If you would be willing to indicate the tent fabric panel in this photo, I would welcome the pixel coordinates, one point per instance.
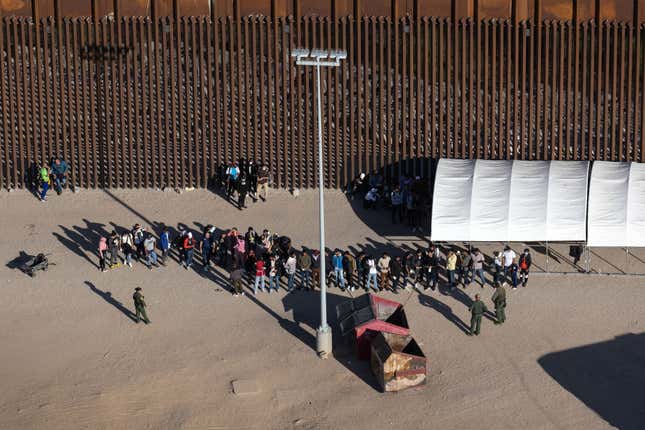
(451, 200)
(528, 201)
(490, 201)
(567, 201)
(636, 206)
(607, 222)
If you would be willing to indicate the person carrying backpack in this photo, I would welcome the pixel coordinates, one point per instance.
(525, 266)
(242, 190)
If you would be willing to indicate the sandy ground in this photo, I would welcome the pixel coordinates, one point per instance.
(71, 357)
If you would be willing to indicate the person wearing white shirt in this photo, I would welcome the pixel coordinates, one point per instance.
(508, 257)
(372, 272)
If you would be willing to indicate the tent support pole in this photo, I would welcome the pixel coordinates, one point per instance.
(587, 258)
(626, 260)
(547, 257)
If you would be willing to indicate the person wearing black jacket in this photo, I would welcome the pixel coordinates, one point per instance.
(361, 274)
(242, 190)
(252, 172)
(251, 238)
(427, 270)
(525, 265)
(396, 270)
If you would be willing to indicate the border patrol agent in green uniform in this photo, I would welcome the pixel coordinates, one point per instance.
(477, 309)
(499, 300)
(140, 305)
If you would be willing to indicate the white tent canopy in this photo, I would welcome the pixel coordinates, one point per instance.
(617, 204)
(510, 201)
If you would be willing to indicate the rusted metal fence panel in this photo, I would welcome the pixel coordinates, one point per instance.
(163, 101)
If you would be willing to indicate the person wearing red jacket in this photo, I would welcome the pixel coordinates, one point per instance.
(259, 276)
(189, 248)
(525, 265)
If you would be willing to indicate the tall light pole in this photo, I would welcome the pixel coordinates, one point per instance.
(320, 58)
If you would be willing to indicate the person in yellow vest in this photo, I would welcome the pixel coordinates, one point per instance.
(45, 182)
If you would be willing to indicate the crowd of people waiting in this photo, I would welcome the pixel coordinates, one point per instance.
(406, 197)
(258, 259)
(244, 177)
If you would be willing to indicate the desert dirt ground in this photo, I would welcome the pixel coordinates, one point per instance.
(570, 356)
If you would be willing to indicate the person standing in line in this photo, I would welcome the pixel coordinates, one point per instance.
(127, 246)
(290, 267)
(477, 309)
(242, 190)
(239, 249)
(451, 267)
(103, 247)
(236, 279)
(435, 262)
(361, 269)
(525, 266)
(349, 266)
(499, 300)
(384, 269)
(45, 182)
(114, 243)
(337, 265)
(206, 248)
(498, 276)
(478, 265)
(397, 201)
(263, 182)
(396, 269)
(304, 263)
(513, 270)
(164, 244)
(315, 268)
(189, 248)
(508, 257)
(274, 279)
(140, 306)
(259, 276)
(464, 268)
(138, 234)
(149, 248)
(371, 274)
(252, 239)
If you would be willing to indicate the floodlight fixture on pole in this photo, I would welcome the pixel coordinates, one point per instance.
(320, 58)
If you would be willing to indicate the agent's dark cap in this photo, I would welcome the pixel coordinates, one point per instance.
(137, 289)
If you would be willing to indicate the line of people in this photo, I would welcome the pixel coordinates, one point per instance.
(268, 257)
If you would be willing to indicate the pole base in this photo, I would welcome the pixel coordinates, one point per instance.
(323, 342)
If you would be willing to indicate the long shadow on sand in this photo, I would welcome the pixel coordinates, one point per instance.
(607, 376)
(306, 313)
(107, 296)
(443, 309)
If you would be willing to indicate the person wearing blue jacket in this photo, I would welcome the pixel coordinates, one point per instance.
(337, 264)
(59, 169)
(164, 244)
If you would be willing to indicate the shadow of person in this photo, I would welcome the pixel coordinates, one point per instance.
(17, 262)
(444, 310)
(107, 296)
(77, 245)
(292, 327)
